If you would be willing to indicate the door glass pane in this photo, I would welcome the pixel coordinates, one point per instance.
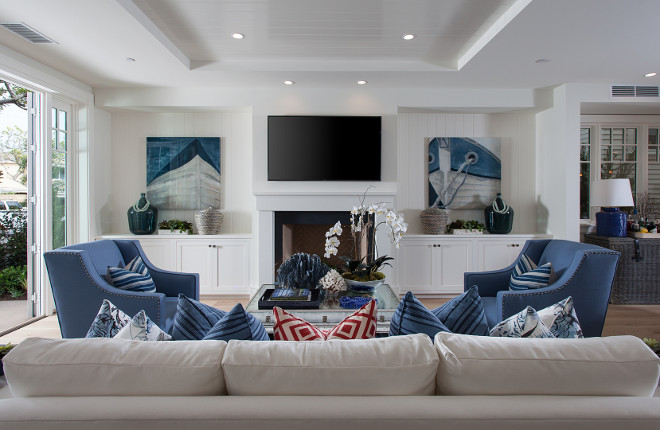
(59, 177)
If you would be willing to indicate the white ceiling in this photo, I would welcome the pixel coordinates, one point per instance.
(333, 43)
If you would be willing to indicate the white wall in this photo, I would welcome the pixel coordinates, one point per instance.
(127, 163)
(101, 180)
(517, 133)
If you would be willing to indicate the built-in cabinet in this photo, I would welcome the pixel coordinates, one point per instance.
(222, 261)
(435, 264)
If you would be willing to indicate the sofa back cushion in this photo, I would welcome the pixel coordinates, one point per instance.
(608, 366)
(397, 366)
(114, 367)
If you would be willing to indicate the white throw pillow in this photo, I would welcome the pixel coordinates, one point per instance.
(608, 366)
(140, 327)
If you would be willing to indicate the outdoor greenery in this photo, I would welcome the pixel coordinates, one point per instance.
(654, 344)
(13, 254)
(12, 94)
(176, 224)
(13, 281)
(13, 149)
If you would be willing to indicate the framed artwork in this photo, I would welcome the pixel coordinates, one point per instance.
(464, 172)
(183, 172)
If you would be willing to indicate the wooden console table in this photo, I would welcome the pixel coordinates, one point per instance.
(637, 276)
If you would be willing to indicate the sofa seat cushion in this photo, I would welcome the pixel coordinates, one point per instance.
(114, 367)
(399, 365)
(609, 366)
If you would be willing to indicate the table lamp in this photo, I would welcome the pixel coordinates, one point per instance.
(610, 195)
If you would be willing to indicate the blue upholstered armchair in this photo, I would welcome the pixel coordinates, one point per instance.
(78, 278)
(583, 271)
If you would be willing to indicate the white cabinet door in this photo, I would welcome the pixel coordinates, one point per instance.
(498, 254)
(451, 259)
(223, 264)
(415, 267)
(433, 265)
(232, 267)
(194, 256)
(159, 252)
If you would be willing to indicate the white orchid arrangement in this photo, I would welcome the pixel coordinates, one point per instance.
(365, 221)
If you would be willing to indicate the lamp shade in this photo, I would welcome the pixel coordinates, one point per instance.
(611, 193)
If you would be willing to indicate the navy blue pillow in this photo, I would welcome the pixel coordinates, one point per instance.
(237, 324)
(194, 319)
(411, 317)
(464, 314)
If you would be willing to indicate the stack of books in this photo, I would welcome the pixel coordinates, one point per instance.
(290, 298)
(291, 294)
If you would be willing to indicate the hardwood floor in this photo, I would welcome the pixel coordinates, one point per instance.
(637, 320)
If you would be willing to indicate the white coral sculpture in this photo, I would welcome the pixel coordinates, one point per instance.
(333, 281)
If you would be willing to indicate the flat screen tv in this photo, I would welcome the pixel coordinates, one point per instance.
(324, 148)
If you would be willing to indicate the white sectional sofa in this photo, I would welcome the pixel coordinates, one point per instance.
(403, 382)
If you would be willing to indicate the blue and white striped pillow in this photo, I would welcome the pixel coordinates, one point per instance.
(134, 277)
(412, 317)
(526, 275)
(464, 314)
(237, 324)
(194, 319)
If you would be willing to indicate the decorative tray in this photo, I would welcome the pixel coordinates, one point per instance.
(314, 303)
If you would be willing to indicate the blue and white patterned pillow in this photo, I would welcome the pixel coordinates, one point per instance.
(109, 320)
(526, 275)
(525, 323)
(411, 317)
(464, 314)
(237, 324)
(134, 277)
(194, 319)
(561, 319)
(140, 327)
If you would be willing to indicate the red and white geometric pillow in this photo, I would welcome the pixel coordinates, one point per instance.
(361, 324)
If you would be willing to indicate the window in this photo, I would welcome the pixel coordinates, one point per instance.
(59, 141)
(611, 151)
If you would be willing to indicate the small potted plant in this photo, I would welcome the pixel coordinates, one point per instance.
(465, 227)
(4, 350)
(654, 344)
(175, 226)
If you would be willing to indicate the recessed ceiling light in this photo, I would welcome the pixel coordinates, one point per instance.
(408, 36)
(362, 82)
(238, 35)
(130, 59)
(650, 75)
(289, 82)
(542, 61)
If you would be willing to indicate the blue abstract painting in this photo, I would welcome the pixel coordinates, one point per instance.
(464, 172)
(184, 172)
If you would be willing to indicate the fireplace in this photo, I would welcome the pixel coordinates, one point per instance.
(271, 204)
(304, 231)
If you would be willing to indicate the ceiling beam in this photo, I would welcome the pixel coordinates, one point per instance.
(149, 25)
(493, 31)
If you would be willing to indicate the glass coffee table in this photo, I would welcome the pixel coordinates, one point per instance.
(329, 313)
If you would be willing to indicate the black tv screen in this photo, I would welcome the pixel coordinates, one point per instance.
(324, 148)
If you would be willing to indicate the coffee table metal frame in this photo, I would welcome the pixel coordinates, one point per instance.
(329, 313)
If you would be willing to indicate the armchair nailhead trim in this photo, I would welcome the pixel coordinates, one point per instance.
(560, 288)
(104, 290)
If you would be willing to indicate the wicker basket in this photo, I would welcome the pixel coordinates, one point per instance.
(434, 220)
(636, 278)
(209, 221)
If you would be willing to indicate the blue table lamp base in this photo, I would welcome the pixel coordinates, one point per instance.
(611, 222)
